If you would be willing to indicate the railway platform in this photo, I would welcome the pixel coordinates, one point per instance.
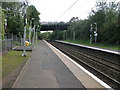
(49, 68)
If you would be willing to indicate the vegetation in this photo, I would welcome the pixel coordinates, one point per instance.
(100, 45)
(105, 17)
(13, 13)
(11, 60)
(46, 35)
(17, 43)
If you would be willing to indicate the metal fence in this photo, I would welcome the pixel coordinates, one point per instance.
(9, 43)
(6, 45)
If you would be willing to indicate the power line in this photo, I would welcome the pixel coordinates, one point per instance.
(68, 9)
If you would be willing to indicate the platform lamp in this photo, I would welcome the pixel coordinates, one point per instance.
(91, 33)
(30, 32)
(95, 32)
(5, 25)
(33, 30)
(36, 33)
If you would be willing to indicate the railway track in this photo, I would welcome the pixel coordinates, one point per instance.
(107, 69)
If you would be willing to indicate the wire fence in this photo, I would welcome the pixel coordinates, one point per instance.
(6, 45)
(11, 42)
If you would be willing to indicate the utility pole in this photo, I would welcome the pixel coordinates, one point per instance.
(25, 22)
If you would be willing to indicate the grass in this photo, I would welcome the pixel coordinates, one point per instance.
(100, 45)
(11, 60)
(17, 43)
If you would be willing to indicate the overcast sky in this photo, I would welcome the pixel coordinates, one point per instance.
(51, 10)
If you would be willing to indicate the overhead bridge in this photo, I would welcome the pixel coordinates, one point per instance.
(48, 26)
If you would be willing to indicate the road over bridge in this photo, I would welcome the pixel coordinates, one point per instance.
(48, 26)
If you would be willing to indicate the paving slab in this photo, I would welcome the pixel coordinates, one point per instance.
(45, 70)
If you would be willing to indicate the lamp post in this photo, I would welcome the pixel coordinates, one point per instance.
(33, 30)
(91, 33)
(95, 32)
(5, 25)
(36, 34)
(25, 22)
(30, 33)
(64, 34)
(74, 36)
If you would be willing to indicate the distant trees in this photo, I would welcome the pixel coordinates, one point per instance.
(45, 35)
(107, 18)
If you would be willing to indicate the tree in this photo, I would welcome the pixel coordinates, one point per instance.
(14, 16)
(106, 17)
(2, 29)
(33, 13)
(14, 19)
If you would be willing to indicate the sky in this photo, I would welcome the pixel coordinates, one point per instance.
(51, 10)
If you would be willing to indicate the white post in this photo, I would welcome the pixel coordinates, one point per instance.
(36, 37)
(21, 41)
(74, 36)
(66, 36)
(25, 22)
(30, 35)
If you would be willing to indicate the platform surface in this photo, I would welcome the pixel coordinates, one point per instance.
(45, 70)
(94, 48)
(21, 48)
